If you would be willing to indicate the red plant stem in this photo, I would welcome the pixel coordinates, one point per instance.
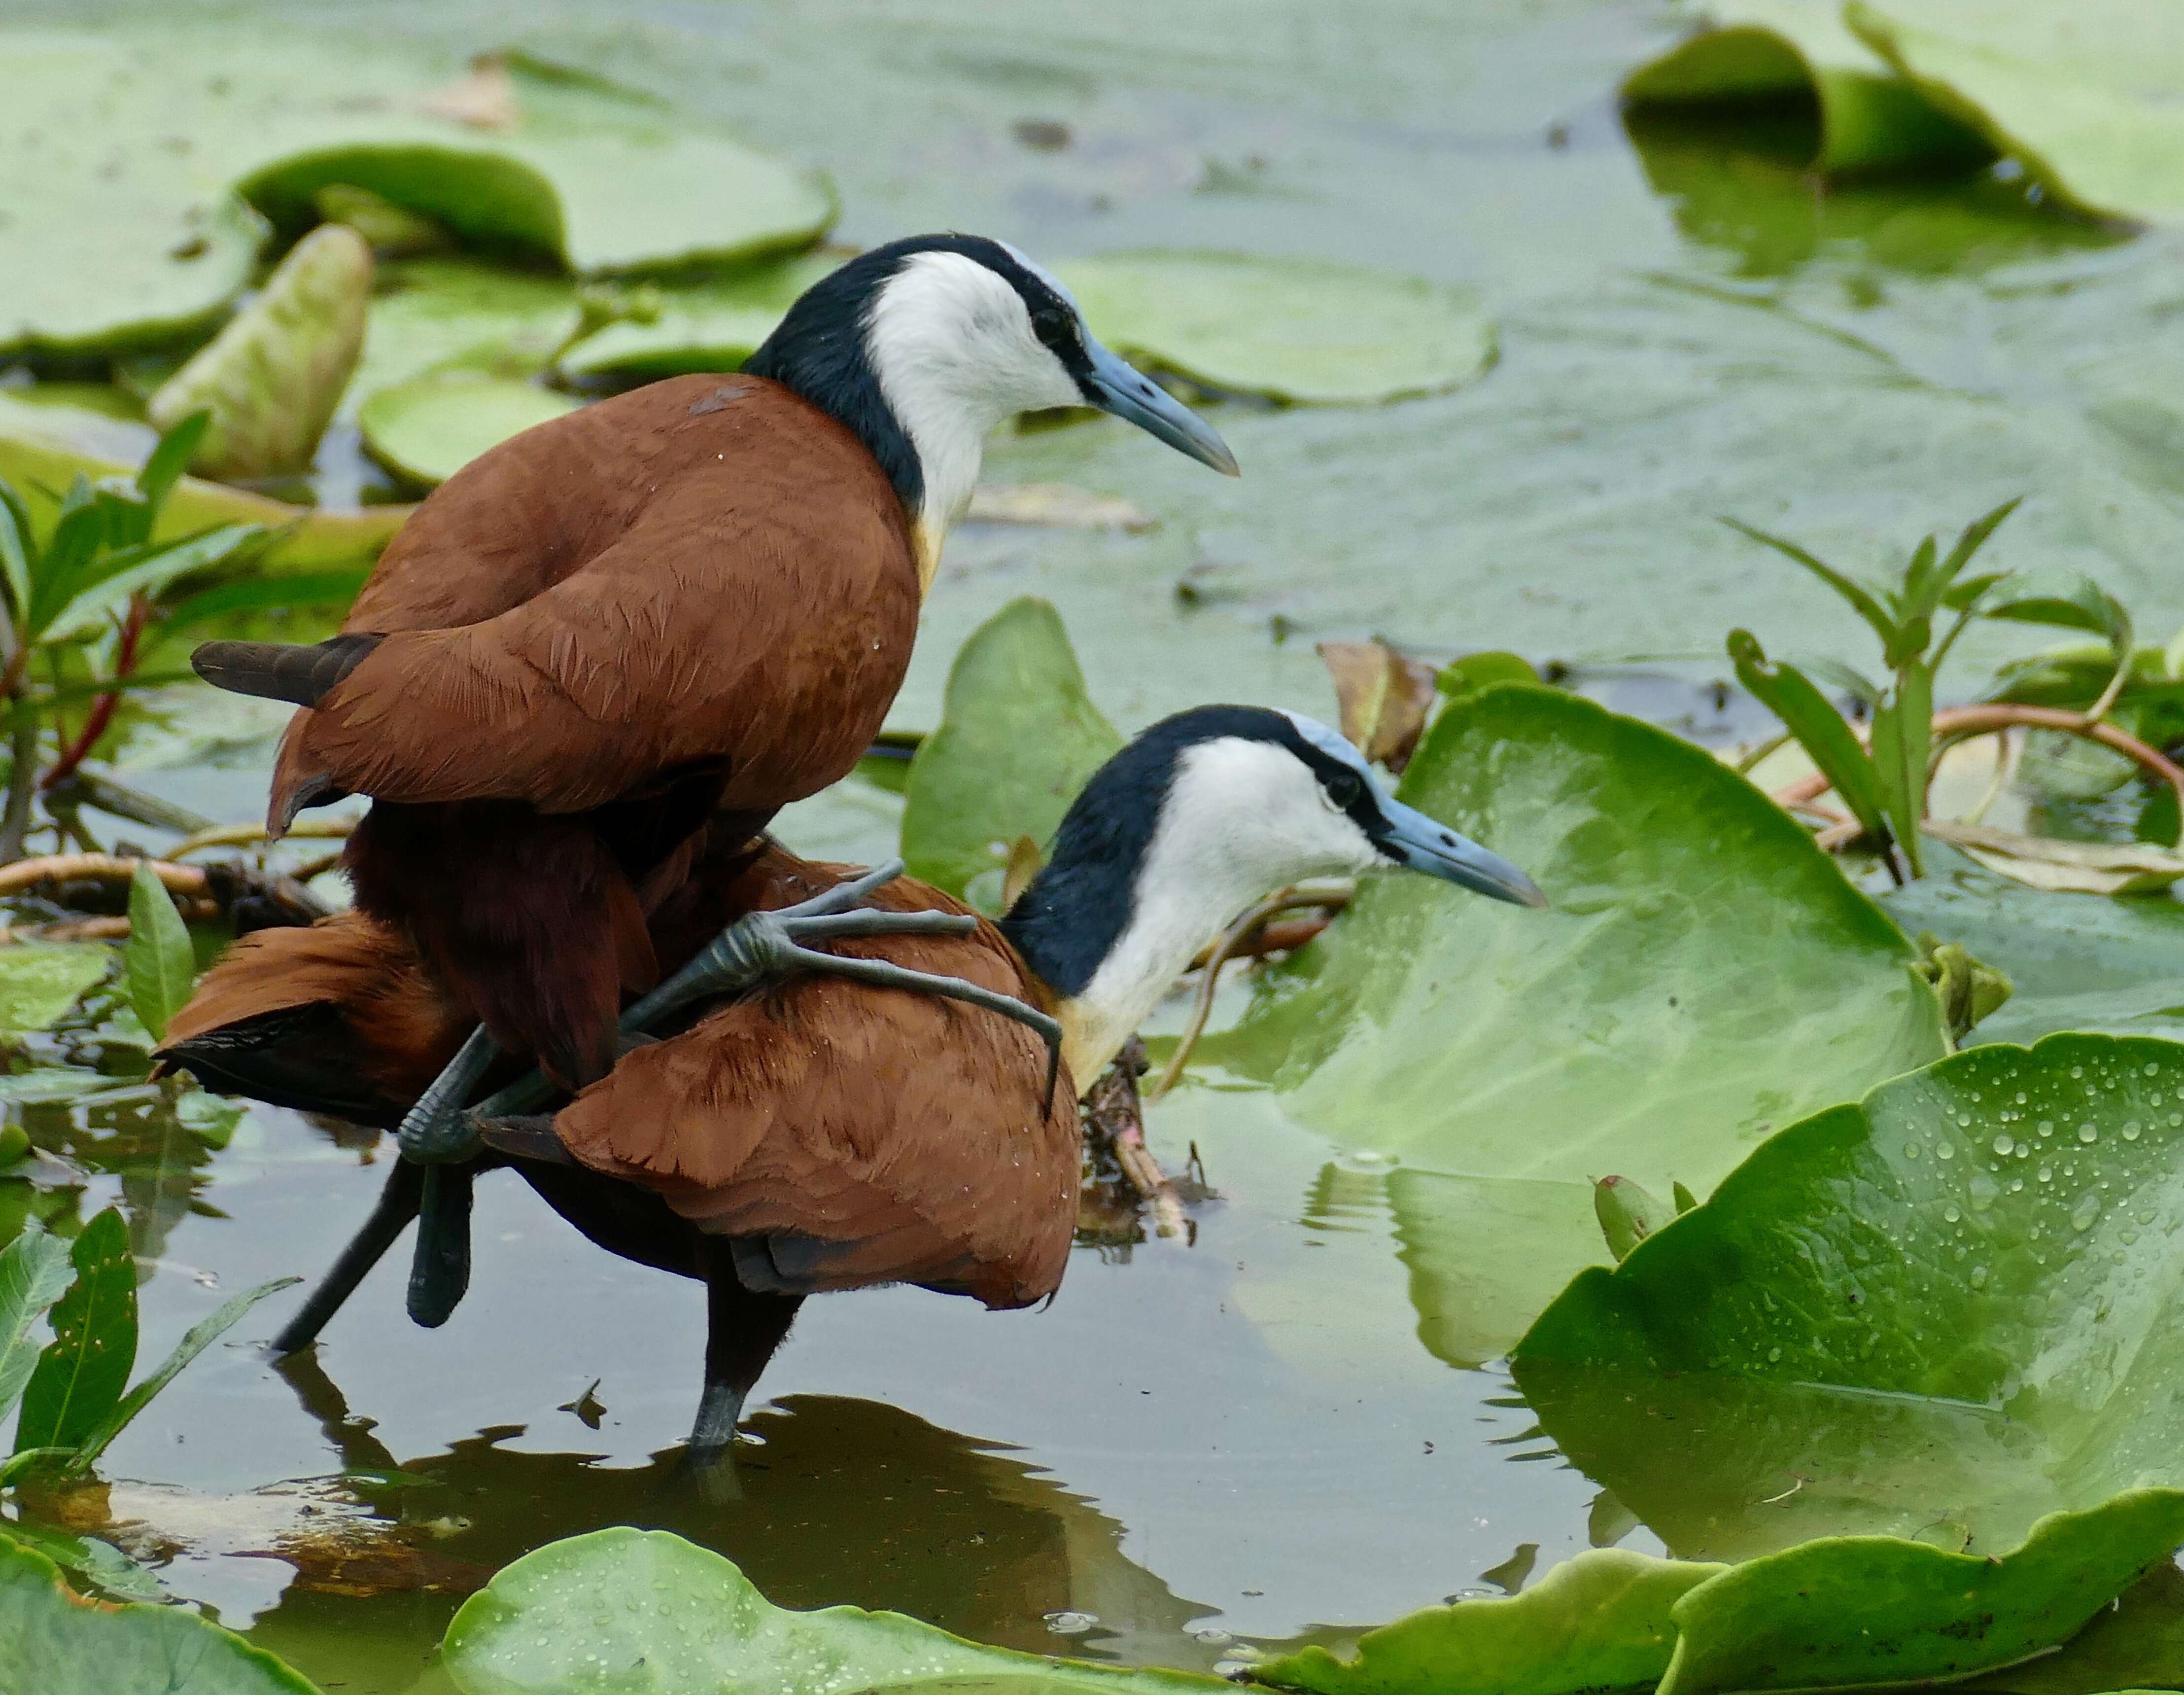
(102, 709)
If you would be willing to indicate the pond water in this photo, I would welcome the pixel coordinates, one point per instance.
(1237, 1434)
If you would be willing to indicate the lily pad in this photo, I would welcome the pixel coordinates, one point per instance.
(427, 430)
(1944, 1313)
(557, 1620)
(1704, 976)
(109, 241)
(2075, 961)
(41, 981)
(1754, 52)
(43, 447)
(606, 178)
(273, 376)
(1018, 737)
(450, 312)
(1307, 331)
(55, 1642)
(711, 325)
(2084, 97)
(1602, 1620)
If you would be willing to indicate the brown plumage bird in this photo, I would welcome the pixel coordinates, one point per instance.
(826, 1133)
(681, 608)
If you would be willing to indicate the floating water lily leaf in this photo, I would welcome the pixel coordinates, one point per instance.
(427, 430)
(2075, 961)
(274, 373)
(1751, 53)
(113, 240)
(54, 1640)
(1985, 1331)
(1307, 331)
(451, 312)
(606, 179)
(1018, 737)
(39, 982)
(2139, 1645)
(1599, 1621)
(711, 325)
(44, 447)
(1851, 1610)
(1704, 976)
(555, 1618)
(2084, 95)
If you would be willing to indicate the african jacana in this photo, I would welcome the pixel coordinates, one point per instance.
(826, 1133)
(693, 602)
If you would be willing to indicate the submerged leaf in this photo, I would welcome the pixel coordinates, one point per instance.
(555, 1616)
(34, 1273)
(158, 963)
(2084, 867)
(1599, 1621)
(82, 1375)
(273, 376)
(1307, 331)
(1705, 975)
(41, 981)
(1018, 737)
(427, 430)
(1989, 1333)
(54, 1640)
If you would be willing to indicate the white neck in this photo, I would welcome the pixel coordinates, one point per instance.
(1242, 819)
(952, 346)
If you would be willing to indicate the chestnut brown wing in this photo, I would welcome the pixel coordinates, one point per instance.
(733, 585)
(848, 1135)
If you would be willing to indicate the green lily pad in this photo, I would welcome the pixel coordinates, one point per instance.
(1602, 1620)
(41, 981)
(274, 373)
(109, 241)
(1307, 331)
(127, 240)
(42, 448)
(451, 312)
(1755, 53)
(711, 325)
(1851, 1610)
(2075, 961)
(563, 1618)
(1018, 737)
(2139, 1645)
(606, 178)
(1942, 1313)
(1704, 976)
(427, 430)
(2083, 97)
(55, 1642)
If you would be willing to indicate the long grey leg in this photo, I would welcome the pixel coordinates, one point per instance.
(398, 1205)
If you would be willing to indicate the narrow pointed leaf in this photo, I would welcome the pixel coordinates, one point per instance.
(166, 463)
(101, 590)
(80, 1376)
(200, 1337)
(1861, 598)
(1974, 537)
(34, 1273)
(288, 591)
(1807, 714)
(17, 543)
(1922, 583)
(158, 965)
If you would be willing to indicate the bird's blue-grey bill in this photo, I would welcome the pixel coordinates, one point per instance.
(1426, 844)
(1115, 387)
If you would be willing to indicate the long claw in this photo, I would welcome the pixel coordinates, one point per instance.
(844, 894)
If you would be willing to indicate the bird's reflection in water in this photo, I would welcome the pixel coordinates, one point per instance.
(843, 1501)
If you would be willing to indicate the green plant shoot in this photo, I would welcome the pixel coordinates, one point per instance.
(158, 964)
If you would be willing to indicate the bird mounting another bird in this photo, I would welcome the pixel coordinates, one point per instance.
(826, 1133)
(676, 610)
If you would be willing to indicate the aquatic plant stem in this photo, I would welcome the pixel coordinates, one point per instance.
(101, 714)
(22, 776)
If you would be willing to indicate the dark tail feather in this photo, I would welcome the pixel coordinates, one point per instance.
(282, 670)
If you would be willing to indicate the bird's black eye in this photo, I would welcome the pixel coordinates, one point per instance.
(1345, 788)
(1051, 324)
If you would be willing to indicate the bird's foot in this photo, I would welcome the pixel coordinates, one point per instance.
(435, 1131)
(761, 947)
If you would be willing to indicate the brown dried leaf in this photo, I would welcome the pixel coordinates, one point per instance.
(2077, 868)
(1385, 697)
(1024, 862)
